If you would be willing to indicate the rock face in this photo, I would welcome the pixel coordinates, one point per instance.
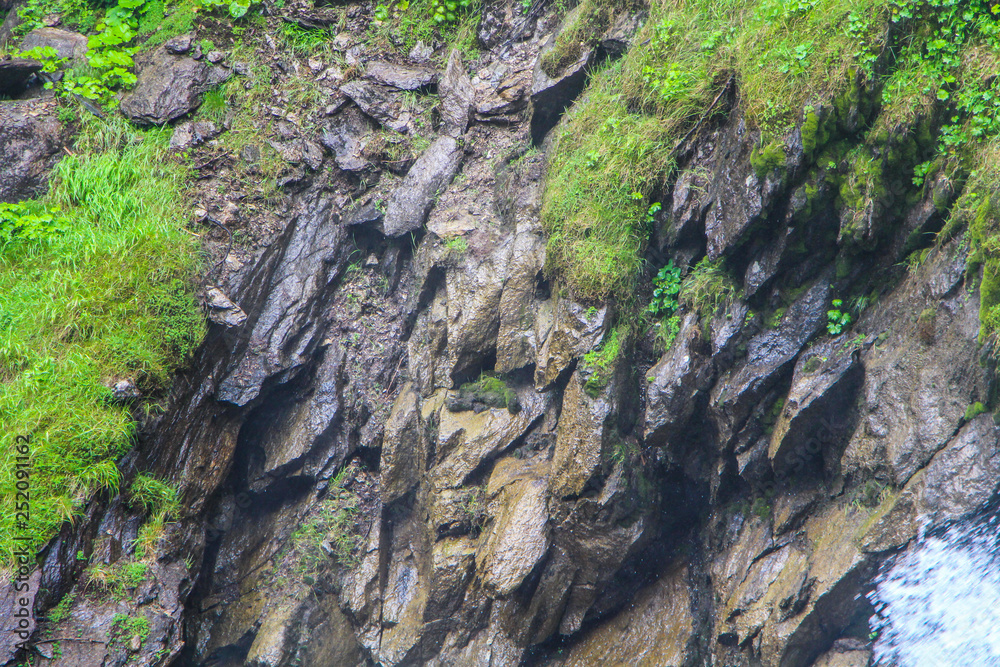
(31, 140)
(404, 441)
(169, 87)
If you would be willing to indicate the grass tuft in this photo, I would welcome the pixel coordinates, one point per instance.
(109, 297)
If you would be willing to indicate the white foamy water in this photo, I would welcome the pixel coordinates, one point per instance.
(938, 604)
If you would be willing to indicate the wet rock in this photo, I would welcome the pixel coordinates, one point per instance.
(617, 39)
(915, 395)
(421, 52)
(215, 57)
(582, 438)
(574, 331)
(11, 21)
(404, 454)
(17, 620)
(362, 214)
(769, 354)
(299, 151)
(402, 77)
(681, 376)
(69, 45)
(282, 335)
(222, 309)
(550, 95)
(457, 96)
(958, 481)
(15, 74)
(346, 136)
(657, 628)
(178, 45)
(824, 385)
(188, 135)
(845, 654)
(379, 102)
(169, 86)
(410, 203)
(125, 391)
(519, 537)
(31, 141)
(688, 206)
(467, 439)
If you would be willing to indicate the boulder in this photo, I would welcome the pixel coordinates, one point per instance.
(69, 45)
(402, 77)
(382, 103)
(457, 97)
(676, 383)
(824, 385)
(169, 87)
(346, 135)
(31, 142)
(410, 203)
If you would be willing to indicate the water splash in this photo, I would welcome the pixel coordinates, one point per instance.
(938, 603)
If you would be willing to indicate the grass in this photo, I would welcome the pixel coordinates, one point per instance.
(329, 529)
(617, 146)
(108, 296)
(403, 28)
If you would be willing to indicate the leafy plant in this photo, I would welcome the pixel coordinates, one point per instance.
(837, 320)
(666, 286)
(125, 629)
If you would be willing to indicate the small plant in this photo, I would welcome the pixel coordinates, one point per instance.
(128, 630)
(600, 363)
(667, 330)
(328, 532)
(474, 509)
(487, 392)
(707, 288)
(60, 612)
(153, 495)
(666, 286)
(457, 244)
(837, 320)
(19, 222)
(974, 411)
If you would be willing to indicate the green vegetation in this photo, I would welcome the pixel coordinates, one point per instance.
(974, 411)
(488, 390)
(925, 106)
(837, 320)
(707, 288)
(127, 629)
(329, 531)
(98, 282)
(117, 579)
(583, 25)
(599, 364)
(401, 24)
(666, 285)
(457, 244)
(61, 611)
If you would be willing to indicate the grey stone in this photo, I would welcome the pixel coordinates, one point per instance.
(169, 87)
(223, 310)
(31, 141)
(188, 135)
(401, 76)
(457, 96)
(346, 136)
(178, 45)
(410, 203)
(378, 101)
(69, 45)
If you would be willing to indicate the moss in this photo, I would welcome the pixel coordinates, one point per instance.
(488, 391)
(974, 411)
(766, 159)
(599, 364)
